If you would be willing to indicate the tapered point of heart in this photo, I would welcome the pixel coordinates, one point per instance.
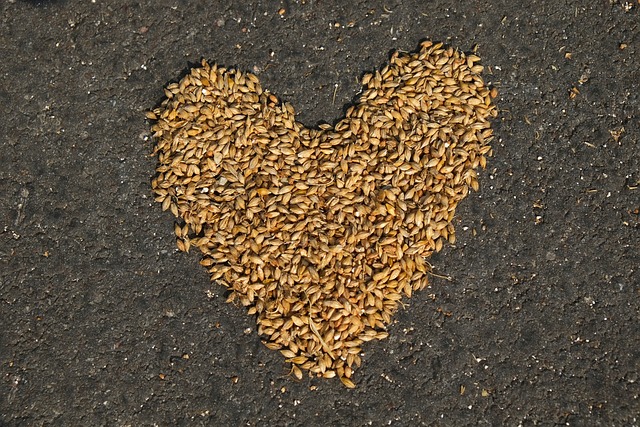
(321, 232)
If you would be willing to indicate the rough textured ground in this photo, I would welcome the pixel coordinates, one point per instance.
(104, 322)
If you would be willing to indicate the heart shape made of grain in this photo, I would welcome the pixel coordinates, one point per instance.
(320, 232)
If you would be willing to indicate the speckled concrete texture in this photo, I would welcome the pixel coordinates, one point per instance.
(532, 318)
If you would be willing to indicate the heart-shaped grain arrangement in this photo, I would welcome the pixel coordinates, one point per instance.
(320, 232)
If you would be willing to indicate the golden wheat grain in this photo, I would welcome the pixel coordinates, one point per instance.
(319, 232)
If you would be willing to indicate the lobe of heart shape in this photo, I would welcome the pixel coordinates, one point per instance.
(321, 232)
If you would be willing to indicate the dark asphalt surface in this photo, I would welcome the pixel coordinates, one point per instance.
(104, 322)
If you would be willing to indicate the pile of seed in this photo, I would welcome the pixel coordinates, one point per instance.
(320, 232)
